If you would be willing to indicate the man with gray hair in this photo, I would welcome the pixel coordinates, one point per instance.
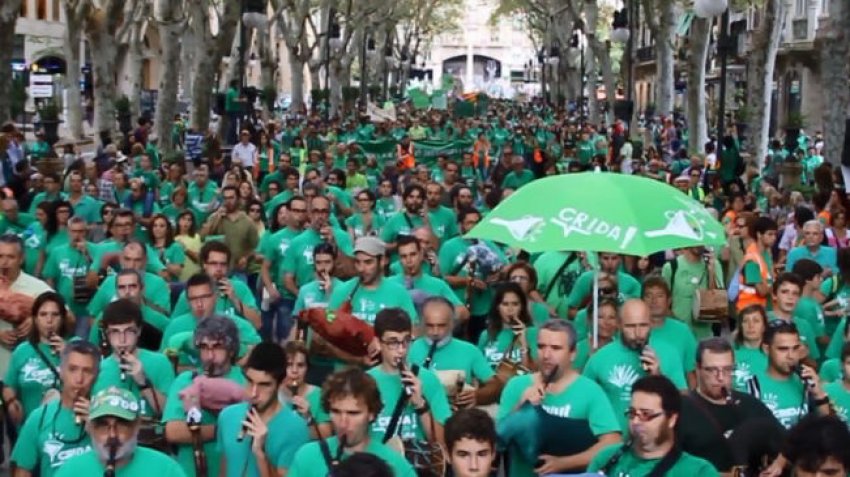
(55, 432)
(813, 249)
(560, 392)
(195, 398)
(130, 285)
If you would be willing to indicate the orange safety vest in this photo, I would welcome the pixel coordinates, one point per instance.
(406, 159)
(748, 294)
(538, 155)
(476, 153)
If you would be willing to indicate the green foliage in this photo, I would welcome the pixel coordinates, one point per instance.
(269, 97)
(319, 95)
(122, 105)
(795, 121)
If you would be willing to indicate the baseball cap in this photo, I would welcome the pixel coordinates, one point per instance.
(117, 402)
(370, 246)
(682, 178)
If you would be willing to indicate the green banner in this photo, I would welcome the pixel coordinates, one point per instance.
(426, 152)
(419, 98)
(464, 109)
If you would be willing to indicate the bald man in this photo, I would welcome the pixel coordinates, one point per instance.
(617, 365)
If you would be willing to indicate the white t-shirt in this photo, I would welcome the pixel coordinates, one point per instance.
(244, 154)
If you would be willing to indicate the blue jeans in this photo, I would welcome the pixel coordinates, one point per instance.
(278, 320)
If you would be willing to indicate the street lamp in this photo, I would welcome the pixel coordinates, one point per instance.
(577, 43)
(711, 9)
(620, 27)
(541, 60)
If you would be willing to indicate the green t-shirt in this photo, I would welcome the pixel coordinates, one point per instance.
(366, 303)
(628, 287)
(631, 465)
(748, 362)
(840, 397)
(690, 277)
(172, 254)
(88, 208)
(494, 349)
(355, 223)
(832, 290)
(202, 199)
(784, 398)
(111, 246)
(144, 462)
(616, 368)
(174, 412)
(409, 425)
(453, 262)
(45, 197)
(443, 223)
(279, 199)
(456, 355)
(231, 100)
(156, 292)
(582, 399)
(810, 311)
(547, 265)
(830, 371)
(836, 342)
(248, 336)
(223, 304)
(40, 445)
(280, 447)
(310, 462)
(514, 181)
(30, 376)
(63, 264)
(298, 260)
(158, 371)
(677, 335)
(34, 238)
(386, 207)
(18, 226)
(401, 223)
(432, 286)
(273, 248)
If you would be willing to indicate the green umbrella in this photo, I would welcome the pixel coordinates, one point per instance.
(600, 212)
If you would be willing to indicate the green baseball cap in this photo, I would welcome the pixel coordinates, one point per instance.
(117, 402)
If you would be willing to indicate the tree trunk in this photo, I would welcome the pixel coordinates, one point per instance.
(835, 77)
(761, 62)
(696, 114)
(665, 57)
(296, 69)
(9, 10)
(74, 98)
(590, 85)
(134, 63)
(171, 25)
(100, 32)
(208, 57)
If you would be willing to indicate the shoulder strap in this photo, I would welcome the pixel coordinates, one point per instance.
(699, 404)
(397, 410)
(554, 280)
(47, 362)
(667, 462)
(408, 220)
(674, 265)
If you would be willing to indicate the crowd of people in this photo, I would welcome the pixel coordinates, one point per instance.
(293, 306)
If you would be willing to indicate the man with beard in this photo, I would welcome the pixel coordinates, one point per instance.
(242, 434)
(441, 218)
(202, 297)
(113, 429)
(567, 394)
(718, 423)
(404, 222)
(439, 351)
(195, 399)
(352, 399)
(651, 450)
(55, 432)
(297, 268)
(426, 407)
(147, 374)
(238, 230)
(471, 442)
(370, 292)
(617, 365)
(130, 286)
(106, 253)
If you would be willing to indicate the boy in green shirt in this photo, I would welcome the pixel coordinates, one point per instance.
(808, 309)
(352, 399)
(839, 390)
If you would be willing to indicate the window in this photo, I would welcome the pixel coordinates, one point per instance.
(41, 9)
(57, 8)
(824, 8)
(800, 8)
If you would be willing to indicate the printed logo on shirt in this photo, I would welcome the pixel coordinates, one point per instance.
(407, 425)
(558, 411)
(57, 451)
(787, 416)
(623, 376)
(308, 255)
(842, 412)
(34, 371)
(742, 374)
(69, 271)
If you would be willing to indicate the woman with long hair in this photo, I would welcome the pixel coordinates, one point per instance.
(525, 276)
(749, 357)
(33, 374)
(510, 334)
(187, 235)
(171, 253)
(365, 221)
(836, 234)
(254, 208)
(179, 203)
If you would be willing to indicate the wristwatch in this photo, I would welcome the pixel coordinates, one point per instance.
(423, 409)
(145, 385)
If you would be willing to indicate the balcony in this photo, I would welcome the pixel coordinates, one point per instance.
(645, 54)
(800, 29)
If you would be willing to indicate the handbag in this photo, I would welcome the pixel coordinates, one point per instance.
(711, 304)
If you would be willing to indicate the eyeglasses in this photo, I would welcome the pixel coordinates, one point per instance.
(321, 211)
(396, 344)
(642, 415)
(519, 278)
(120, 425)
(199, 297)
(719, 370)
